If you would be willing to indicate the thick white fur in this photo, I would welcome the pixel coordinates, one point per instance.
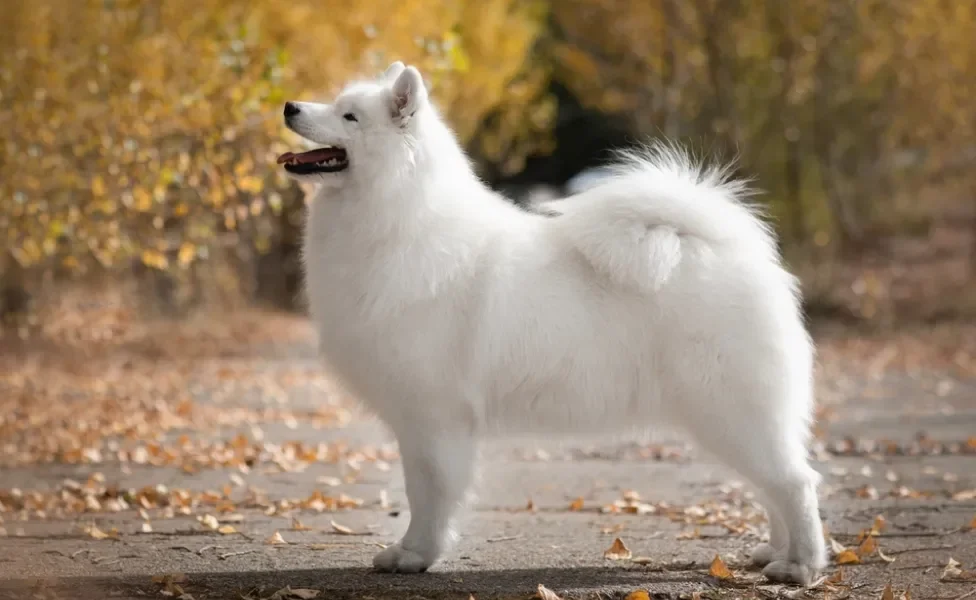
(656, 298)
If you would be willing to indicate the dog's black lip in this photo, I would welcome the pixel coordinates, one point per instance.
(311, 169)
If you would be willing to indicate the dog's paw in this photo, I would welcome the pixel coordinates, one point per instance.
(397, 559)
(784, 571)
(763, 554)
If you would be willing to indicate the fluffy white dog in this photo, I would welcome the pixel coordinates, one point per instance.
(657, 297)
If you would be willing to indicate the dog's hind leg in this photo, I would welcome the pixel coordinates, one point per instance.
(793, 494)
(769, 453)
(438, 468)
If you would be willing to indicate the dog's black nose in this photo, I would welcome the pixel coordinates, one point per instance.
(291, 109)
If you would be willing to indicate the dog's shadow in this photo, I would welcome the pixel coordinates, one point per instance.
(363, 583)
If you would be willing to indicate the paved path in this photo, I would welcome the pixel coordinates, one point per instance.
(256, 447)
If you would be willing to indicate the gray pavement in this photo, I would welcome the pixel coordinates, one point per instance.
(900, 446)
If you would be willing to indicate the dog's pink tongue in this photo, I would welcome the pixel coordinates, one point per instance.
(286, 157)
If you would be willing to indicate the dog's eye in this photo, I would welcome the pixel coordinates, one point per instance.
(350, 117)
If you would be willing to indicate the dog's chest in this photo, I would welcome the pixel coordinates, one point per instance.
(381, 323)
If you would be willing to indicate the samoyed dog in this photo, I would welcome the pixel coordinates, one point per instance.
(656, 297)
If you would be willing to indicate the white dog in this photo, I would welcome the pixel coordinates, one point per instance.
(656, 297)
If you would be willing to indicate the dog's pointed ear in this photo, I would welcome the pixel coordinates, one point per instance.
(392, 72)
(407, 96)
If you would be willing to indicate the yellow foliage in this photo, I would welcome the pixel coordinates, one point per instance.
(136, 116)
(132, 126)
(836, 95)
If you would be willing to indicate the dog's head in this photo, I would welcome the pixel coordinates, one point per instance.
(365, 131)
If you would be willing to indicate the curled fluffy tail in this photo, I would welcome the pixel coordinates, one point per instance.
(636, 226)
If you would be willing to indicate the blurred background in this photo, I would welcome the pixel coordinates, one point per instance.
(139, 137)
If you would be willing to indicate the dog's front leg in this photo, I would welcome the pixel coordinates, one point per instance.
(438, 469)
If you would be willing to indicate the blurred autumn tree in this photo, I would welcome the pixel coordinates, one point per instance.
(831, 103)
(148, 130)
(145, 131)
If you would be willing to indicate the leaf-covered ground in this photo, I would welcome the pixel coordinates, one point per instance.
(212, 458)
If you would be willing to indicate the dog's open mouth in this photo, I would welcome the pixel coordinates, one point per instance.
(321, 160)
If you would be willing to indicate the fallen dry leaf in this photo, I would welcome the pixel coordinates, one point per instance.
(836, 546)
(576, 504)
(209, 521)
(545, 593)
(617, 551)
(642, 560)
(887, 593)
(847, 557)
(226, 529)
(953, 572)
(95, 533)
(147, 528)
(952, 568)
(342, 529)
(297, 525)
(639, 508)
(275, 538)
(867, 547)
(837, 577)
(169, 582)
(719, 569)
(638, 595)
(965, 495)
(972, 524)
(175, 591)
(289, 593)
(867, 491)
(879, 525)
